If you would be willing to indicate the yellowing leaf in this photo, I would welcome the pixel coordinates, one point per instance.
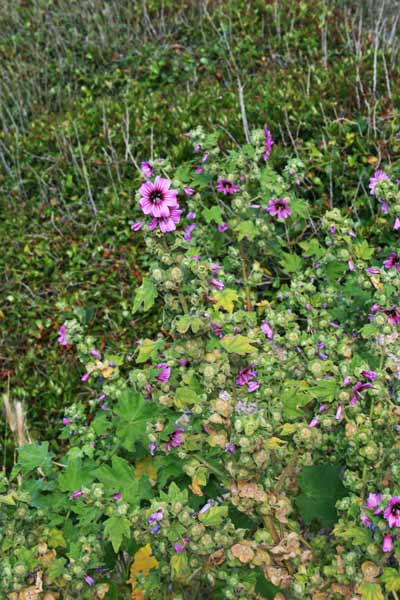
(145, 467)
(143, 562)
(288, 428)
(225, 299)
(274, 443)
(107, 372)
(237, 344)
(376, 282)
(8, 499)
(370, 591)
(148, 349)
(179, 566)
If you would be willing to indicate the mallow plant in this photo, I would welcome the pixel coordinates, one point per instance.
(248, 447)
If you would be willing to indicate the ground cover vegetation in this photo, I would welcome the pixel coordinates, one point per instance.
(199, 313)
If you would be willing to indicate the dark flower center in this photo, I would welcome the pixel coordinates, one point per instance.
(156, 196)
(395, 510)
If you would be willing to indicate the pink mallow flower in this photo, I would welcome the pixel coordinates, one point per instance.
(396, 224)
(393, 262)
(268, 142)
(373, 182)
(247, 377)
(62, 336)
(279, 208)
(167, 224)
(226, 187)
(373, 502)
(387, 545)
(392, 513)
(175, 439)
(393, 315)
(267, 330)
(157, 198)
(165, 372)
(217, 284)
(189, 191)
(147, 168)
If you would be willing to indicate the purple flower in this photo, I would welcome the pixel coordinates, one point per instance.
(313, 422)
(396, 224)
(175, 439)
(189, 191)
(357, 391)
(89, 580)
(147, 168)
(223, 227)
(165, 372)
(156, 516)
(152, 448)
(339, 412)
(62, 336)
(267, 330)
(95, 353)
(373, 182)
(217, 329)
(204, 157)
(365, 520)
(373, 271)
(137, 226)
(323, 407)
(351, 265)
(179, 548)
(76, 494)
(373, 502)
(387, 545)
(155, 528)
(191, 215)
(393, 262)
(199, 170)
(393, 315)
(230, 448)
(371, 375)
(197, 149)
(85, 377)
(268, 142)
(188, 232)
(66, 421)
(245, 375)
(226, 187)
(279, 208)
(117, 496)
(392, 513)
(252, 386)
(215, 268)
(157, 198)
(167, 224)
(217, 284)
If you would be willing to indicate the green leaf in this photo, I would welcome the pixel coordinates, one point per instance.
(363, 251)
(213, 214)
(321, 487)
(134, 414)
(291, 263)
(32, 456)
(225, 299)
(293, 398)
(145, 295)
(115, 529)
(149, 349)
(312, 248)
(334, 270)
(114, 478)
(185, 396)
(56, 568)
(369, 330)
(299, 208)
(391, 578)
(237, 344)
(214, 516)
(358, 535)
(370, 591)
(246, 229)
(74, 476)
(324, 389)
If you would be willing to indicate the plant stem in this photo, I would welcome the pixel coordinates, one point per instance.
(249, 306)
